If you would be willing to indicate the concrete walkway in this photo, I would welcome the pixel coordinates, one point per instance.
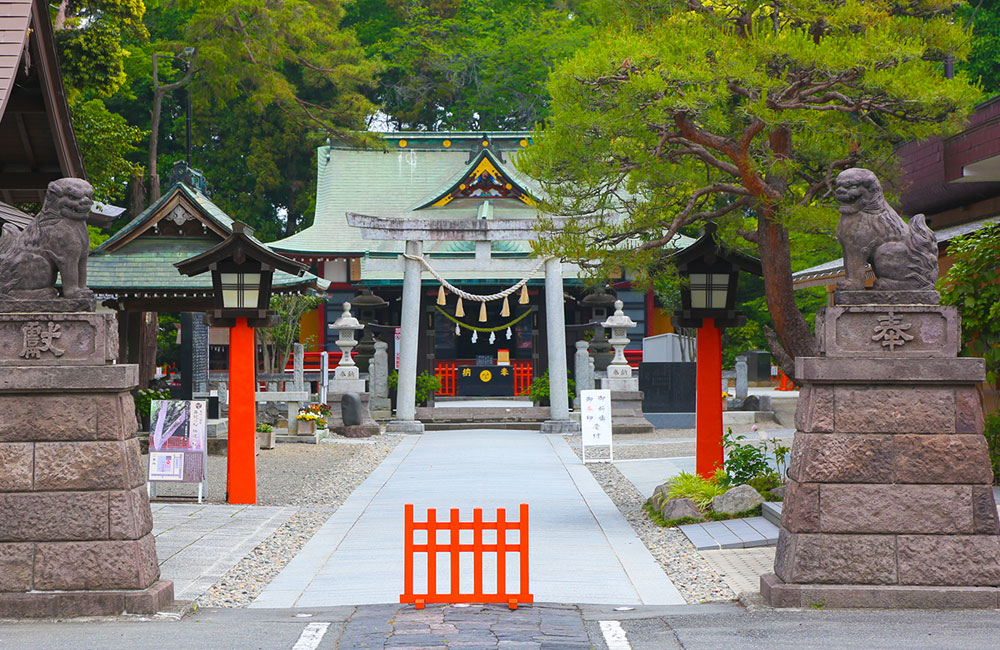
(582, 549)
(197, 544)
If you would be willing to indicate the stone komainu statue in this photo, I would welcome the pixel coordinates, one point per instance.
(57, 241)
(903, 257)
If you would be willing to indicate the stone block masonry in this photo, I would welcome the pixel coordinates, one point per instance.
(889, 501)
(75, 523)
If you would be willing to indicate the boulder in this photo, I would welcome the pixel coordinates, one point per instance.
(778, 491)
(677, 508)
(738, 499)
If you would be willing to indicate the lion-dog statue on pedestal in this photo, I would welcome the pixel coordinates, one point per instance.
(57, 241)
(903, 257)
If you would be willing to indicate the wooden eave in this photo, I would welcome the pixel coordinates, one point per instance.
(709, 245)
(161, 210)
(486, 160)
(37, 143)
(239, 246)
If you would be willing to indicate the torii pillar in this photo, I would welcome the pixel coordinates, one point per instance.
(481, 231)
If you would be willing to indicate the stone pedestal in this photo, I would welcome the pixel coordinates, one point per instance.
(75, 522)
(626, 411)
(889, 502)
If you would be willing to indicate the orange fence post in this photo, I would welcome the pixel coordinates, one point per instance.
(408, 551)
(455, 547)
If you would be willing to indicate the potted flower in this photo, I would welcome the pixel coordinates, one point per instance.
(265, 436)
(311, 417)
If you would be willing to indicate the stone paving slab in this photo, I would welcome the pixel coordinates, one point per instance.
(731, 533)
(742, 568)
(197, 544)
(582, 549)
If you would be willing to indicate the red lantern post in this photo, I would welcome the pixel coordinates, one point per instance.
(241, 469)
(708, 405)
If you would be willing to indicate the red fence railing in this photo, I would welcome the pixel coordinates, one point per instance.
(445, 372)
(454, 548)
(523, 375)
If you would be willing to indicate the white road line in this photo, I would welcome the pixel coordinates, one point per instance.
(311, 636)
(614, 636)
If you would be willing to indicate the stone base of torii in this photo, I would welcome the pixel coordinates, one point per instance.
(482, 231)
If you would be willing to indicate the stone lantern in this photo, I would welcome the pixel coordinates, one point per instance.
(626, 398)
(619, 372)
(347, 325)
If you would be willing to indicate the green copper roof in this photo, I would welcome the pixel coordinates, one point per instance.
(146, 263)
(397, 180)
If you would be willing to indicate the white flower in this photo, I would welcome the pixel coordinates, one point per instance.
(763, 436)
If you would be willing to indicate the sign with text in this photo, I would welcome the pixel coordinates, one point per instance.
(595, 421)
(485, 381)
(178, 440)
(397, 337)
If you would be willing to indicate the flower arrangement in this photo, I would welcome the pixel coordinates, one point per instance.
(263, 427)
(314, 413)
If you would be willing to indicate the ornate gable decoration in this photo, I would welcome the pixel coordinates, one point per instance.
(485, 180)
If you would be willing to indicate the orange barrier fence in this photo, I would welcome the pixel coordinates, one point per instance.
(454, 547)
(784, 383)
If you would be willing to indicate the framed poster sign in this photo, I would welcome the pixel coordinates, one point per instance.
(178, 442)
(595, 421)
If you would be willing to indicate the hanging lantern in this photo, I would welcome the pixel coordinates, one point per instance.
(509, 334)
(441, 296)
(524, 294)
(459, 310)
(482, 312)
(493, 338)
(505, 311)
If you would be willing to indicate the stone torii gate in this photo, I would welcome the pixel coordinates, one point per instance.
(483, 232)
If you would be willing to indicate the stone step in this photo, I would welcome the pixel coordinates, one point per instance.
(428, 414)
(457, 426)
(731, 533)
(772, 511)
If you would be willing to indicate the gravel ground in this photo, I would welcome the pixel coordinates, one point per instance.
(693, 576)
(316, 478)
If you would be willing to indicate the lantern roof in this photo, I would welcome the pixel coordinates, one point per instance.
(710, 248)
(241, 246)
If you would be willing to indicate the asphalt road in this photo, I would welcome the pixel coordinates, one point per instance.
(389, 626)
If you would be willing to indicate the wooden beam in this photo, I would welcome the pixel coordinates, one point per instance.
(27, 180)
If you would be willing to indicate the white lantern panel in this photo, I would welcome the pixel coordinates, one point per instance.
(699, 290)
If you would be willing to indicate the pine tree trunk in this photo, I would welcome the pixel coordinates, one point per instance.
(149, 325)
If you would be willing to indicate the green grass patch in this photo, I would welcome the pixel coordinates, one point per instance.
(658, 519)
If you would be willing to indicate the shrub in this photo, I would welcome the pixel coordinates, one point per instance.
(144, 397)
(765, 482)
(539, 389)
(743, 461)
(992, 432)
(426, 385)
(698, 489)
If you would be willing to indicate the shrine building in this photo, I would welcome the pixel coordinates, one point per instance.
(445, 176)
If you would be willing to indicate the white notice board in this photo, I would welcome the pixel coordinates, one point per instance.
(595, 421)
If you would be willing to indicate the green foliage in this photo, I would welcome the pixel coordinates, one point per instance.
(744, 461)
(992, 432)
(469, 65)
(106, 140)
(972, 285)
(691, 486)
(427, 385)
(168, 350)
(658, 519)
(984, 60)
(765, 482)
(96, 236)
(143, 397)
(740, 113)
(539, 389)
(278, 340)
(263, 427)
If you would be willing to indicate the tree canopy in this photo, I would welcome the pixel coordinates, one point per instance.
(741, 112)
